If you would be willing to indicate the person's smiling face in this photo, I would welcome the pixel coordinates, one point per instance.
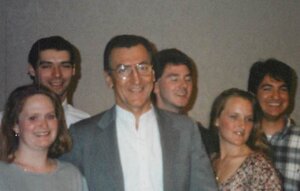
(273, 97)
(37, 124)
(174, 88)
(235, 121)
(132, 92)
(54, 71)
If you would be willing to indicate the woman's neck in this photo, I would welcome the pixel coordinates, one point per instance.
(229, 160)
(36, 162)
(234, 151)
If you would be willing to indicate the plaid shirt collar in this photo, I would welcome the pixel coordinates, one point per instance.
(286, 130)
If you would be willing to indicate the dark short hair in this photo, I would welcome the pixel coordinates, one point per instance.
(14, 106)
(256, 140)
(171, 56)
(52, 42)
(275, 68)
(127, 41)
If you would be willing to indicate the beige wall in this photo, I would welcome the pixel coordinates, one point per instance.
(223, 37)
(2, 52)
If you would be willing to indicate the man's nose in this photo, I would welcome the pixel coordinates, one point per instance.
(183, 83)
(275, 94)
(136, 76)
(56, 71)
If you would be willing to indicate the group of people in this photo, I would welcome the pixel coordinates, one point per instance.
(146, 141)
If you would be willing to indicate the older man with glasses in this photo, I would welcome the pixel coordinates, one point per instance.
(134, 146)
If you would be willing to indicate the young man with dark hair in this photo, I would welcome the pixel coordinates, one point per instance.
(174, 80)
(175, 77)
(52, 64)
(272, 82)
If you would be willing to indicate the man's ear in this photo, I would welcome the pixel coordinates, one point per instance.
(108, 79)
(30, 70)
(153, 73)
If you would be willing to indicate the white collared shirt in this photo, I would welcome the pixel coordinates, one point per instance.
(73, 114)
(140, 151)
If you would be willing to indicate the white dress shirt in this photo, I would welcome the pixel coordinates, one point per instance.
(140, 151)
(72, 114)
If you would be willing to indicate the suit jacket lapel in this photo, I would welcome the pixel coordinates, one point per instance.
(169, 138)
(109, 144)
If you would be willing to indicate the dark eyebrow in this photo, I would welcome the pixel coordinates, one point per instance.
(172, 74)
(284, 85)
(128, 65)
(66, 62)
(49, 62)
(145, 62)
(265, 85)
(270, 85)
(175, 74)
(121, 65)
(44, 62)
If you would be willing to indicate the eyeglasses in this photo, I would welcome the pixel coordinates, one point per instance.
(123, 71)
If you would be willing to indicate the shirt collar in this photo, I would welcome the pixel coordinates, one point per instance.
(286, 130)
(65, 104)
(125, 115)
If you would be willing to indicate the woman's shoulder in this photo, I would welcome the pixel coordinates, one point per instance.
(67, 167)
(71, 173)
(8, 170)
(259, 159)
(260, 164)
(264, 174)
(3, 165)
(65, 164)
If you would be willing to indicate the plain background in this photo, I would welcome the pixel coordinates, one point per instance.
(224, 38)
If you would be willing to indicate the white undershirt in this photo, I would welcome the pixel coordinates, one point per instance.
(288, 123)
(140, 151)
(269, 137)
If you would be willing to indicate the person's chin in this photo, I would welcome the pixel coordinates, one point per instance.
(273, 117)
(181, 103)
(58, 91)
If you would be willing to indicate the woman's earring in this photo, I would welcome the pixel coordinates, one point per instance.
(16, 130)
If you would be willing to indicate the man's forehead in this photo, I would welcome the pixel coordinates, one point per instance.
(48, 53)
(178, 68)
(137, 52)
(268, 79)
(125, 49)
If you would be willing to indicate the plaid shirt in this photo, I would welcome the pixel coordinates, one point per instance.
(286, 151)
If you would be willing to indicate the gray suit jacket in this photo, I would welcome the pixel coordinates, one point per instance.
(186, 166)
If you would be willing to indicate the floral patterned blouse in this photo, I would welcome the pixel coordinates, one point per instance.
(255, 173)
